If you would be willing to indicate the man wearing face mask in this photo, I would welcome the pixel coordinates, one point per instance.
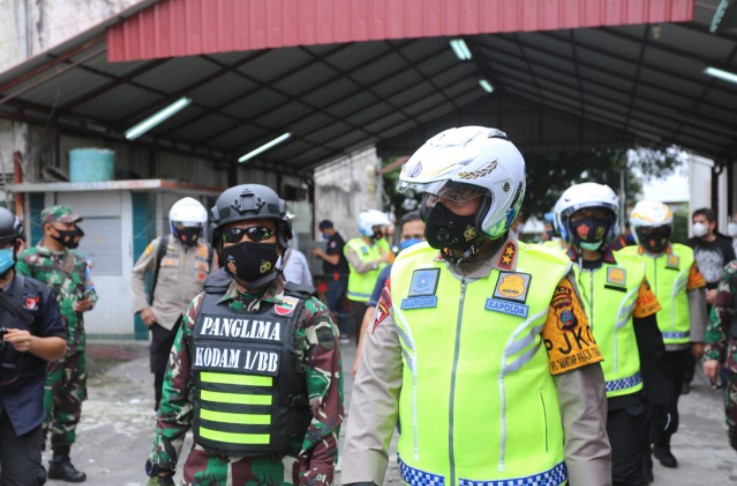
(180, 263)
(255, 368)
(367, 256)
(412, 231)
(480, 346)
(52, 262)
(712, 250)
(335, 269)
(622, 309)
(679, 287)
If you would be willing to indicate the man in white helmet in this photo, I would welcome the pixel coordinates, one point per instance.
(179, 262)
(367, 255)
(622, 309)
(681, 289)
(480, 348)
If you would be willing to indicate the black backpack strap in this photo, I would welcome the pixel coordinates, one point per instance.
(210, 256)
(14, 306)
(160, 252)
(301, 291)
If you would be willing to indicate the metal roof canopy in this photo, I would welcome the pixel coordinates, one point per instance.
(336, 89)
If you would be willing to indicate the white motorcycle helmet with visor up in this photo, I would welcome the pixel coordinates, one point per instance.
(370, 218)
(652, 225)
(458, 165)
(591, 232)
(187, 220)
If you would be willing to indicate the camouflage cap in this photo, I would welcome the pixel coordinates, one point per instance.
(62, 214)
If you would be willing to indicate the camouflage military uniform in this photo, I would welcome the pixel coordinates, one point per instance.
(66, 272)
(316, 346)
(722, 347)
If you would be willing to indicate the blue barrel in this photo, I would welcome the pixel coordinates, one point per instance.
(91, 165)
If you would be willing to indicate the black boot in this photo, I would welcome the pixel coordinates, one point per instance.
(60, 467)
(647, 468)
(663, 454)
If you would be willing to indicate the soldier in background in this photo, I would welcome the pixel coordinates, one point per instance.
(179, 262)
(721, 346)
(52, 262)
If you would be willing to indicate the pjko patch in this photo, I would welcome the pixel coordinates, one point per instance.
(382, 308)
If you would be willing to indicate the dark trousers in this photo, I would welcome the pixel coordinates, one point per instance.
(627, 430)
(337, 286)
(678, 362)
(161, 341)
(358, 309)
(20, 457)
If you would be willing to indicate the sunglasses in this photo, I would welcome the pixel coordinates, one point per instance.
(255, 233)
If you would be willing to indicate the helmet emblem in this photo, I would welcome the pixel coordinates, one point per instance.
(475, 174)
(416, 169)
(265, 266)
(506, 187)
(470, 233)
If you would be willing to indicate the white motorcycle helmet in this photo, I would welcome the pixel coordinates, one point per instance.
(187, 220)
(460, 164)
(581, 196)
(652, 224)
(369, 218)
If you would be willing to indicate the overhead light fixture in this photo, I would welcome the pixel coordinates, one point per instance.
(486, 85)
(158, 117)
(718, 73)
(461, 49)
(253, 153)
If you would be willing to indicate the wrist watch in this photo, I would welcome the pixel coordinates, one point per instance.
(154, 469)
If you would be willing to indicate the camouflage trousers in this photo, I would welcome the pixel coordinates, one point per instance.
(203, 467)
(730, 408)
(64, 390)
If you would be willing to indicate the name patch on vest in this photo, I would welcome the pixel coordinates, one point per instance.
(673, 262)
(616, 279)
(507, 307)
(422, 290)
(236, 328)
(255, 361)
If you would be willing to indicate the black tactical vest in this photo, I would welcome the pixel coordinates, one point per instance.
(250, 390)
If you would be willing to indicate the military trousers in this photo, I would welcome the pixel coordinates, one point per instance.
(64, 391)
(730, 408)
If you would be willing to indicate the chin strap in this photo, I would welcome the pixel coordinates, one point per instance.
(471, 250)
(253, 287)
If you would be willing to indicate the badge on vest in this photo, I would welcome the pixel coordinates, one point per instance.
(422, 290)
(510, 294)
(673, 262)
(616, 279)
(287, 305)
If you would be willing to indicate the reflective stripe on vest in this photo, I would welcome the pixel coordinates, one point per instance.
(552, 477)
(476, 376)
(610, 294)
(248, 399)
(361, 285)
(668, 277)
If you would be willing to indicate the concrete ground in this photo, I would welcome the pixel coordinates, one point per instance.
(117, 425)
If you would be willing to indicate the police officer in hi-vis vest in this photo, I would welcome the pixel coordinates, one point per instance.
(367, 256)
(480, 346)
(255, 367)
(681, 291)
(621, 308)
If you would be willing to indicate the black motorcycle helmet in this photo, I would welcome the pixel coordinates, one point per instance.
(11, 228)
(249, 201)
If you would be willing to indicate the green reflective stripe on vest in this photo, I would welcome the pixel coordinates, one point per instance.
(361, 285)
(609, 306)
(447, 416)
(234, 438)
(669, 285)
(236, 418)
(233, 379)
(237, 398)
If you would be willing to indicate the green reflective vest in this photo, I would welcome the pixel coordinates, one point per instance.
(609, 294)
(361, 285)
(668, 274)
(478, 402)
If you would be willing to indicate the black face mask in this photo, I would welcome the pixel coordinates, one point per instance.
(445, 229)
(188, 235)
(590, 229)
(249, 261)
(378, 235)
(74, 243)
(654, 240)
(66, 238)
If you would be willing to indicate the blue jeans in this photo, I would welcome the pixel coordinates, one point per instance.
(337, 287)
